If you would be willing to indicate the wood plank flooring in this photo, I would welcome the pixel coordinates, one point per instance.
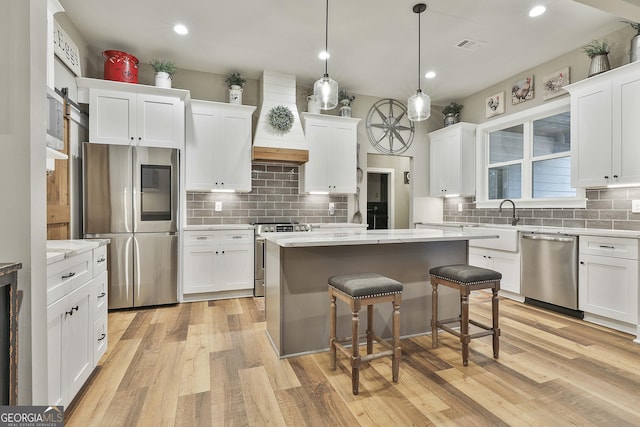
(211, 364)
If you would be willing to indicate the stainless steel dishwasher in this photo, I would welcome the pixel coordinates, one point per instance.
(549, 271)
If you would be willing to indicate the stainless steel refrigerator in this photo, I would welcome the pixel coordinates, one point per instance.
(131, 197)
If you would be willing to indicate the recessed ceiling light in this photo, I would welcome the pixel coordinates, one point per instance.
(324, 55)
(180, 29)
(537, 11)
(430, 74)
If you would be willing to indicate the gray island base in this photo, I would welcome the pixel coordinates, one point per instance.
(298, 265)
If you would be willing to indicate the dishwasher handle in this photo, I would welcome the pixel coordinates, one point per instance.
(549, 237)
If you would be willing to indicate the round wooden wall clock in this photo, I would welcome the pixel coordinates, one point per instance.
(388, 128)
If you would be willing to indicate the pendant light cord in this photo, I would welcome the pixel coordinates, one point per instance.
(419, 13)
(326, 39)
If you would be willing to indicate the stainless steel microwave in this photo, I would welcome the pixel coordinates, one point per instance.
(55, 120)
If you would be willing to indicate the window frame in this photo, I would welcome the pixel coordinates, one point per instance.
(525, 118)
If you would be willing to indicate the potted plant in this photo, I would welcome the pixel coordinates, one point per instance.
(307, 94)
(164, 72)
(451, 113)
(598, 51)
(235, 83)
(634, 49)
(345, 101)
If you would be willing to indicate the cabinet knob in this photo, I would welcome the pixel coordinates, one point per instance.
(132, 138)
(139, 138)
(582, 262)
(606, 177)
(615, 176)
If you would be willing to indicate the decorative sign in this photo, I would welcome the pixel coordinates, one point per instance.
(66, 49)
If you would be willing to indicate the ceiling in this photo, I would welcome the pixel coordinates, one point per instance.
(373, 43)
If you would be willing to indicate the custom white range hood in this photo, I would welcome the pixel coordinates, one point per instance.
(269, 144)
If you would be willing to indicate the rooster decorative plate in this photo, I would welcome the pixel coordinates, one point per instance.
(388, 127)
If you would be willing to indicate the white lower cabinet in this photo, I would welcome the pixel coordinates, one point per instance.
(608, 278)
(507, 263)
(76, 323)
(70, 344)
(217, 261)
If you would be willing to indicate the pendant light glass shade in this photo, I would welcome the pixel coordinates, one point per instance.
(419, 105)
(325, 90)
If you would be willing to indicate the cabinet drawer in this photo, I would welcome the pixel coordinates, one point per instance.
(199, 238)
(100, 338)
(237, 237)
(99, 260)
(68, 274)
(617, 247)
(100, 294)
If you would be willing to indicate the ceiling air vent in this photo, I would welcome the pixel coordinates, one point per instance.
(470, 44)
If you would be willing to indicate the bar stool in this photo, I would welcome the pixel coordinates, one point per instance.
(465, 278)
(358, 289)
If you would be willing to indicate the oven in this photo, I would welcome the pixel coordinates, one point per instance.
(260, 230)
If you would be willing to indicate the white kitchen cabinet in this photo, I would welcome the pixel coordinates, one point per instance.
(77, 309)
(332, 142)
(218, 147)
(129, 118)
(69, 344)
(604, 128)
(452, 160)
(608, 277)
(217, 261)
(507, 263)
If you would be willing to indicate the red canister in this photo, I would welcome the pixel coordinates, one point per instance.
(120, 66)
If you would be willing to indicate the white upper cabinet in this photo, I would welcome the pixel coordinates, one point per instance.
(452, 160)
(332, 142)
(130, 114)
(605, 128)
(218, 147)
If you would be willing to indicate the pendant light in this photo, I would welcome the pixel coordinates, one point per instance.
(419, 105)
(325, 90)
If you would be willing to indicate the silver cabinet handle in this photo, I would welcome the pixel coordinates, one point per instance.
(201, 238)
(606, 247)
(236, 237)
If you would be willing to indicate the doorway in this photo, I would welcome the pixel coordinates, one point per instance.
(380, 198)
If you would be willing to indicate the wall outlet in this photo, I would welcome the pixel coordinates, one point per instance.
(635, 206)
(332, 208)
(218, 207)
(459, 207)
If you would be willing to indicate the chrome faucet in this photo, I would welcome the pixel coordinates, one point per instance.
(514, 218)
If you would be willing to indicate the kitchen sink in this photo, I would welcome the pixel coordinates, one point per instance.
(508, 237)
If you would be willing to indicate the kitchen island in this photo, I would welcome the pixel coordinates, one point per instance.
(298, 265)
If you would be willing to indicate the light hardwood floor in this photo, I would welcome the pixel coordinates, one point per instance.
(211, 363)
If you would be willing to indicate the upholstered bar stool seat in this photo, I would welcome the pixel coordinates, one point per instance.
(358, 289)
(465, 278)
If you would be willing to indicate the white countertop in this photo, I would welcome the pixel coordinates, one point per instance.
(540, 229)
(213, 227)
(57, 250)
(370, 237)
(334, 225)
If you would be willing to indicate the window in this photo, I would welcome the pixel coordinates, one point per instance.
(526, 157)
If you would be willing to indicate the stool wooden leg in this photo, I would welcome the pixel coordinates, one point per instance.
(355, 350)
(496, 328)
(464, 327)
(397, 352)
(332, 331)
(434, 314)
(370, 329)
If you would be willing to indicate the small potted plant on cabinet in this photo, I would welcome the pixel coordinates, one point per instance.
(598, 52)
(345, 100)
(235, 83)
(634, 48)
(164, 72)
(451, 114)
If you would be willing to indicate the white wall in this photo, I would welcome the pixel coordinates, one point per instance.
(22, 176)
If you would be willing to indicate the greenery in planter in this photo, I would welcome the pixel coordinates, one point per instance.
(452, 108)
(235, 79)
(344, 95)
(168, 67)
(596, 48)
(634, 25)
